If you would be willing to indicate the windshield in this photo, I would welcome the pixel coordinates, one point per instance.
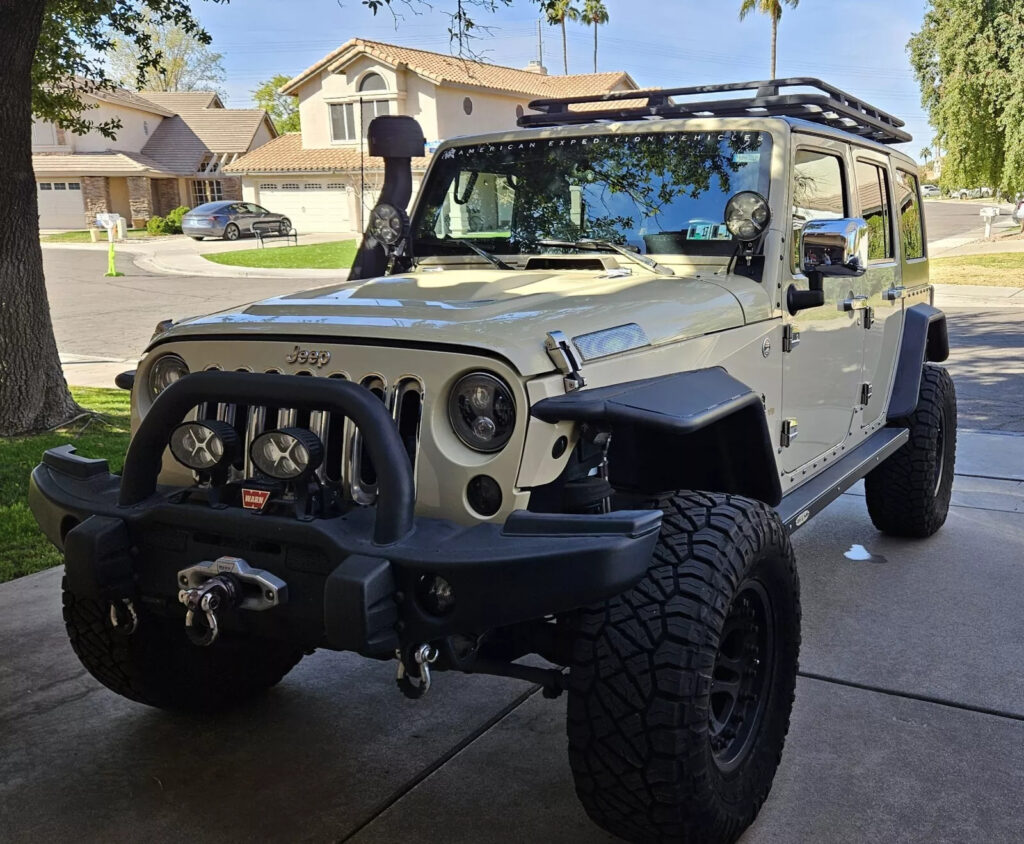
(661, 192)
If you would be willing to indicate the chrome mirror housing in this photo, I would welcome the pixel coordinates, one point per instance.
(834, 247)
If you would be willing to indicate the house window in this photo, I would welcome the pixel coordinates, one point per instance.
(45, 186)
(335, 186)
(268, 186)
(467, 105)
(372, 109)
(313, 186)
(145, 128)
(290, 186)
(373, 82)
(59, 186)
(74, 186)
(206, 190)
(343, 122)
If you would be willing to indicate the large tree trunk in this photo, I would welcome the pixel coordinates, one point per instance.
(565, 51)
(33, 393)
(775, 38)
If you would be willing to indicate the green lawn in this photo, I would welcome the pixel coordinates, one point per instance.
(338, 254)
(83, 236)
(23, 549)
(1004, 269)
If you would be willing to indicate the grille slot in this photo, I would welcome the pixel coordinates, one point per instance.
(346, 460)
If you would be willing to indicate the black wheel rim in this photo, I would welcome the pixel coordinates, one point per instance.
(741, 678)
(940, 453)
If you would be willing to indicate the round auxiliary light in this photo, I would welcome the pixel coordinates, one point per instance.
(482, 411)
(484, 495)
(205, 445)
(747, 215)
(164, 372)
(435, 594)
(387, 224)
(287, 454)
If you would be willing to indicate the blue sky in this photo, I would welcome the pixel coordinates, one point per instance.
(859, 45)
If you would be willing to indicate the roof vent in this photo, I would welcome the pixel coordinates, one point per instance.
(536, 67)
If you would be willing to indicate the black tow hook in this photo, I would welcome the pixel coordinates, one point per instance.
(214, 595)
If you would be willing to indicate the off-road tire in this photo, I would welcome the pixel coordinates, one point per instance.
(158, 665)
(644, 663)
(232, 232)
(908, 495)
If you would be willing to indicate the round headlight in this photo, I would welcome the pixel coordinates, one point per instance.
(482, 411)
(387, 224)
(747, 215)
(204, 445)
(164, 372)
(287, 454)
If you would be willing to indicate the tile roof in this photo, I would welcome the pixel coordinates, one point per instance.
(180, 142)
(442, 68)
(124, 97)
(179, 102)
(109, 163)
(285, 154)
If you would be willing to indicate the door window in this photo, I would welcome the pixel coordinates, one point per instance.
(911, 226)
(819, 192)
(876, 209)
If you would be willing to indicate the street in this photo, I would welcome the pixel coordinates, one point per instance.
(955, 218)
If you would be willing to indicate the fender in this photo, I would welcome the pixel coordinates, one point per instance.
(925, 337)
(701, 429)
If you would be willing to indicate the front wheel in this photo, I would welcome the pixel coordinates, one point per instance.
(680, 690)
(909, 494)
(159, 666)
(231, 232)
(284, 226)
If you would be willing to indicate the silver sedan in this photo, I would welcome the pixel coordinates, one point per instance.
(231, 219)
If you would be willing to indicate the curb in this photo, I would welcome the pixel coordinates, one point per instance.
(213, 270)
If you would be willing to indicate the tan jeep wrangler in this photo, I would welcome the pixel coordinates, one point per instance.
(573, 405)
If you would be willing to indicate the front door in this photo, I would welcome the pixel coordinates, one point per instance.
(822, 375)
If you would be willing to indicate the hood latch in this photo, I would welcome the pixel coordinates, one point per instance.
(563, 356)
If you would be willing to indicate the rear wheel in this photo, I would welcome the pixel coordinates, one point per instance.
(680, 690)
(908, 495)
(158, 665)
(231, 232)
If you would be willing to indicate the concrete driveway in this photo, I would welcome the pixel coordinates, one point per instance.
(908, 726)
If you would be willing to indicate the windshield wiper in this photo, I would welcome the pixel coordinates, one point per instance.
(483, 253)
(608, 246)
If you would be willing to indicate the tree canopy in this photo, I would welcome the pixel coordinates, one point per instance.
(969, 59)
(282, 108)
(184, 62)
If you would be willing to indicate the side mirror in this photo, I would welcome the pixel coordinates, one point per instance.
(834, 247)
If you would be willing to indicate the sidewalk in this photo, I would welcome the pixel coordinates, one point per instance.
(908, 724)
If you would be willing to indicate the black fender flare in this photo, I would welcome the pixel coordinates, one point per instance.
(925, 337)
(701, 429)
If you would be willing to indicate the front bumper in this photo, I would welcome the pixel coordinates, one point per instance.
(352, 579)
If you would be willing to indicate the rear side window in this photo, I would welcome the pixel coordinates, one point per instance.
(876, 209)
(911, 228)
(819, 192)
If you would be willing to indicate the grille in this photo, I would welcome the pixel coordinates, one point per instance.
(346, 463)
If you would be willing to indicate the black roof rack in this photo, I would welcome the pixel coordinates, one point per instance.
(831, 107)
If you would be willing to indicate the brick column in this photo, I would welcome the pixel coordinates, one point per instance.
(231, 186)
(140, 198)
(96, 197)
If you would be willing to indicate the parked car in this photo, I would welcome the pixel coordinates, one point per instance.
(930, 190)
(229, 220)
(572, 405)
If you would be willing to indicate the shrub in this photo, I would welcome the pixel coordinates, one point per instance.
(156, 225)
(173, 219)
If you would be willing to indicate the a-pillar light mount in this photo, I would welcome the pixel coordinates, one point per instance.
(287, 454)
(747, 216)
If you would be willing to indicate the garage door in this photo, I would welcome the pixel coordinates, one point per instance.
(60, 205)
(311, 205)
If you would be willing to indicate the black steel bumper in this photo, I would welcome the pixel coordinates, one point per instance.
(352, 579)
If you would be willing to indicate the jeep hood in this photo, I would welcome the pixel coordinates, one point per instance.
(508, 313)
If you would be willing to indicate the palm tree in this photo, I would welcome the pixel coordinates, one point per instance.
(558, 11)
(594, 12)
(772, 8)
(925, 154)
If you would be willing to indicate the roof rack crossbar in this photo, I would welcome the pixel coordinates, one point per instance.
(832, 107)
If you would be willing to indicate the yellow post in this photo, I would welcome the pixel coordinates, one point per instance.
(111, 268)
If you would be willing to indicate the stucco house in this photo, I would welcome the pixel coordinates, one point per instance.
(170, 151)
(322, 178)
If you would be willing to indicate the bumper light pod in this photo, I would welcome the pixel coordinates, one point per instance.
(435, 594)
(287, 454)
(203, 446)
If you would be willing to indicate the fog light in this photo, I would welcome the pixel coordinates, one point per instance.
(203, 446)
(484, 495)
(287, 454)
(435, 594)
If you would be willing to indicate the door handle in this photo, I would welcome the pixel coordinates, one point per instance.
(854, 303)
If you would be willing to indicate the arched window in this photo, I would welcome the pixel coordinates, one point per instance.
(373, 82)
